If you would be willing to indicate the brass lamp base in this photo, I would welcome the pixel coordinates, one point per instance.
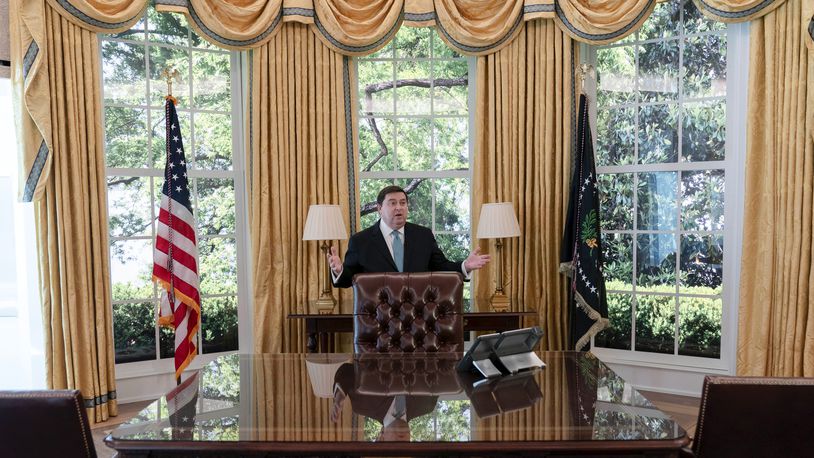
(500, 302)
(325, 305)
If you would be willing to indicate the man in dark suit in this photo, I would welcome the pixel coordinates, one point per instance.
(394, 245)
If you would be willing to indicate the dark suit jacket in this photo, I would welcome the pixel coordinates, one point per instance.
(367, 252)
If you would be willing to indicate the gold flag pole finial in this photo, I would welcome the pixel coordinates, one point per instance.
(584, 71)
(170, 74)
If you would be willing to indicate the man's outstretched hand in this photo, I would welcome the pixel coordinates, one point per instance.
(334, 261)
(475, 260)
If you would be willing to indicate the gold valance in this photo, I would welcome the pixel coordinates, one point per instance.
(104, 16)
(736, 10)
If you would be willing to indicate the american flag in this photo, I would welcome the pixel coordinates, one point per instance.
(175, 265)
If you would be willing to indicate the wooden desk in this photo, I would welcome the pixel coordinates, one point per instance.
(321, 328)
(283, 405)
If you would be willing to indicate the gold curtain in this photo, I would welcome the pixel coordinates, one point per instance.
(808, 22)
(71, 217)
(301, 116)
(523, 155)
(602, 22)
(776, 320)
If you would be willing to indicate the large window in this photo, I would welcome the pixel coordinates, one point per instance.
(414, 132)
(663, 167)
(134, 92)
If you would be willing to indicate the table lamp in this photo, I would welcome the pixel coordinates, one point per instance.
(497, 220)
(324, 222)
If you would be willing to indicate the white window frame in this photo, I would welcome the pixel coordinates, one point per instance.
(737, 36)
(238, 81)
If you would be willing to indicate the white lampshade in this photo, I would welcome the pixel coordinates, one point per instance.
(321, 372)
(324, 222)
(497, 220)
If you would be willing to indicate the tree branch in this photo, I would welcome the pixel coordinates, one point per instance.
(371, 89)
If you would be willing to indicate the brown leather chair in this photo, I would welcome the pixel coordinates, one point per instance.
(408, 312)
(755, 417)
(44, 423)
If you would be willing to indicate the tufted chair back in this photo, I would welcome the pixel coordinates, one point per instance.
(408, 312)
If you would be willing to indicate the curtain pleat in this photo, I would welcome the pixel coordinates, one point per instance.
(776, 322)
(357, 27)
(522, 155)
(602, 22)
(71, 217)
(299, 156)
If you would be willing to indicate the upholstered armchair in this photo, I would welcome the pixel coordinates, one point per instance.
(755, 416)
(408, 312)
(44, 423)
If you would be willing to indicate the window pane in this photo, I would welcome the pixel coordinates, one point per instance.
(414, 150)
(452, 204)
(658, 71)
(616, 136)
(123, 67)
(129, 201)
(166, 343)
(213, 141)
(376, 144)
(218, 259)
(704, 131)
(451, 87)
(212, 86)
(657, 201)
(126, 137)
(161, 58)
(617, 250)
(451, 143)
(661, 22)
(216, 206)
(702, 264)
(616, 200)
(656, 262)
(219, 324)
(134, 331)
(158, 127)
(420, 203)
(705, 66)
(699, 332)
(619, 313)
(413, 94)
(134, 33)
(702, 200)
(655, 323)
(615, 69)
(131, 269)
(375, 86)
(658, 134)
(413, 42)
(167, 28)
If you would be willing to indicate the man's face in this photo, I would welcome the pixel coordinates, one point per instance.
(393, 210)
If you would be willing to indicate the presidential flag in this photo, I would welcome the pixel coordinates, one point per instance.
(581, 256)
(175, 265)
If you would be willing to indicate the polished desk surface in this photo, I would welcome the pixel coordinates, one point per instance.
(289, 403)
